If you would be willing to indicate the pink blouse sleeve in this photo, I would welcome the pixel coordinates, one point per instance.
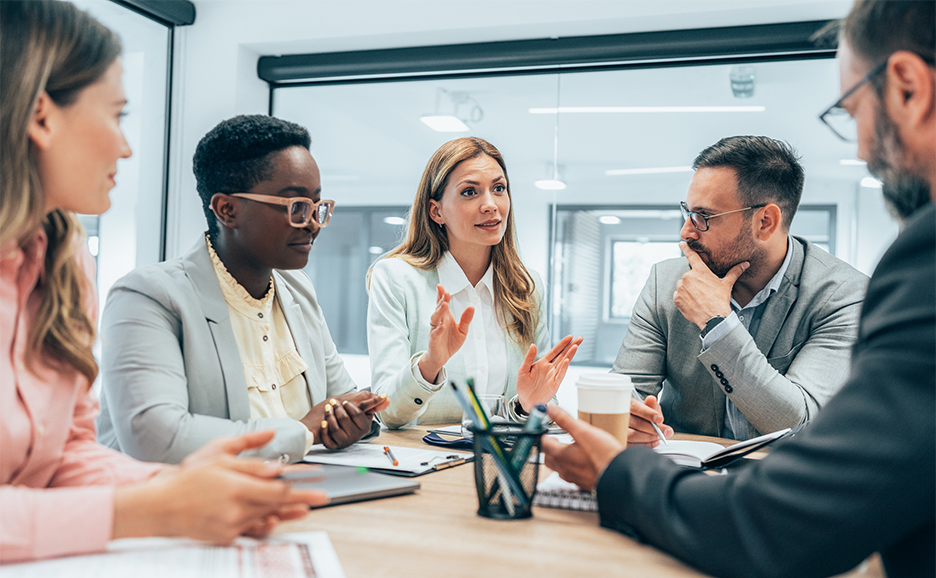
(46, 522)
(75, 514)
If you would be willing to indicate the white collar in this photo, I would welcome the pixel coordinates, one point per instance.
(454, 280)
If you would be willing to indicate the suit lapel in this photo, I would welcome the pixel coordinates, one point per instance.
(778, 306)
(200, 271)
(292, 311)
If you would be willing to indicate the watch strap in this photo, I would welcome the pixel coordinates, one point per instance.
(711, 324)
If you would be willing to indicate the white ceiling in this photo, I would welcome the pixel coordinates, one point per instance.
(297, 26)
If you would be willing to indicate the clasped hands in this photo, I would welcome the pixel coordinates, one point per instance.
(537, 381)
(341, 420)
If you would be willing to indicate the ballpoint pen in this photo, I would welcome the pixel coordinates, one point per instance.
(389, 454)
(655, 427)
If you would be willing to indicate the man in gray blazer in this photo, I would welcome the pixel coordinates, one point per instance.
(750, 332)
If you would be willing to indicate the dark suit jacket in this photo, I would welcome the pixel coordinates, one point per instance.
(859, 478)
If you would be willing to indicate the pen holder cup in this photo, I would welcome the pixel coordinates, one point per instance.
(503, 458)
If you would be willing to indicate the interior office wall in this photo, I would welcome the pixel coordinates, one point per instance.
(216, 57)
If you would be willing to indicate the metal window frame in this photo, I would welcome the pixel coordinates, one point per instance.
(166, 12)
(789, 40)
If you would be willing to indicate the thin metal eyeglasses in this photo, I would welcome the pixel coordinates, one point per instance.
(837, 118)
(301, 210)
(700, 220)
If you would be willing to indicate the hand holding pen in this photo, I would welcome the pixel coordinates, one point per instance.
(646, 422)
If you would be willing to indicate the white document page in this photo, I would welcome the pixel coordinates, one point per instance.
(299, 555)
(410, 460)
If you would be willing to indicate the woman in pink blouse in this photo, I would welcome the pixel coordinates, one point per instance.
(60, 106)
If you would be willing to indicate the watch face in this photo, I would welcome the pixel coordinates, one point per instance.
(710, 325)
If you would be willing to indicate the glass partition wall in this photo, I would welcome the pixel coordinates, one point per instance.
(130, 234)
(598, 161)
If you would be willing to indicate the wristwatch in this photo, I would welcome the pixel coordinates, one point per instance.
(710, 324)
(519, 409)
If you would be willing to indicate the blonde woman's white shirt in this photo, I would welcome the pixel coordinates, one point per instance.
(485, 347)
(401, 300)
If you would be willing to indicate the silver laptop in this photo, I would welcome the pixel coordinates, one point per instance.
(345, 484)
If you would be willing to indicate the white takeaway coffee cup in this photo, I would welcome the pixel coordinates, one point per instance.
(604, 401)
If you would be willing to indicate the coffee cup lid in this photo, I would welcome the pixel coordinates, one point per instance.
(597, 379)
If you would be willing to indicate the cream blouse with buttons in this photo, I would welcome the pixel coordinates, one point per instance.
(272, 365)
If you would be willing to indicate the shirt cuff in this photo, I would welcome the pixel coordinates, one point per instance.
(417, 375)
(720, 330)
(513, 413)
(310, 441)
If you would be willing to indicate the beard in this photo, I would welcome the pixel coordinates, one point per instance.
(739, 250)
(903, 192)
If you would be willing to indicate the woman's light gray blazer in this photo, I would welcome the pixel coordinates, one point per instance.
(171, 369)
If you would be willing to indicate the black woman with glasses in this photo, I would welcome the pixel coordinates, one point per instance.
(229, 337)
(751, 331)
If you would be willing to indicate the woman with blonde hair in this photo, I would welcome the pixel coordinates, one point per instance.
(460, 259)
(61, 101)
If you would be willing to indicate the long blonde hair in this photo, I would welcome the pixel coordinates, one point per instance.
(426, 242)
(54, 48)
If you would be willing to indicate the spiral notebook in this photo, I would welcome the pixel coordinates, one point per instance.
(554, 492)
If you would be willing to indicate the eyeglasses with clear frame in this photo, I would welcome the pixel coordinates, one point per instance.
(301, 210)
(700, 220)
(837, 118)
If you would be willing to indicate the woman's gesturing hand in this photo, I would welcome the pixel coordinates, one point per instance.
(445, 336)
(538, 381)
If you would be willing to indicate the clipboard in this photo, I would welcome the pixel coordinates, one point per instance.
(412, 462)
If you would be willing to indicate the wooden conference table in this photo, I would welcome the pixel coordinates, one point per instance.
(437, 532)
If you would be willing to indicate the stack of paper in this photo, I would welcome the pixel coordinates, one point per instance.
(301, 555)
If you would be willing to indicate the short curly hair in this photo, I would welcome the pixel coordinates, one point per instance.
(237, 154)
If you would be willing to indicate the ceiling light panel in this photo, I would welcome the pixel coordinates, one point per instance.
(647, 171)
(444, 123)
(642, 109)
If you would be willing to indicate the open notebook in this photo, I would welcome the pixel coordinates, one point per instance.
(705, 455)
